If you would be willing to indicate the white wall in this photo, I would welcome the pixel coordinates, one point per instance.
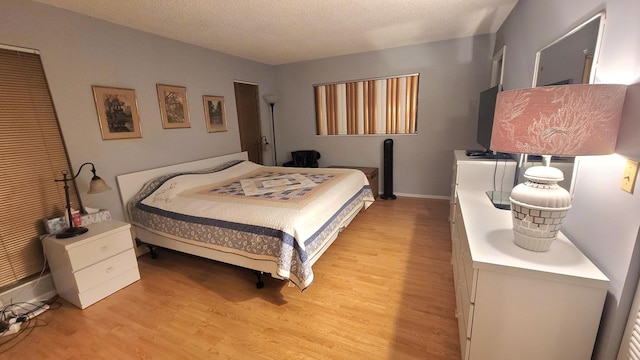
(78, 52)
(604, 220)
(452, 74)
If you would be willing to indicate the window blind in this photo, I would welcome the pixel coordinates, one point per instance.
(32, 156)
(375, 106)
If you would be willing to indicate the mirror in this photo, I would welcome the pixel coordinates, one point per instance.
(571, 59)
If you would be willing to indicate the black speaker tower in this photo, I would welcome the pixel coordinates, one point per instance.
(388, 171)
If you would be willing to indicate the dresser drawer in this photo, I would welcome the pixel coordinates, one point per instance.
(466, 269)
(466, 306)
(99, 249)
(455, 261)
(467, 313)
(467, 265)
(464, 313)
(462, 336)
(106, 270)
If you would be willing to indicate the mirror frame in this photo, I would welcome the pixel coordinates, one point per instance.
(596, 53)
(497, 67)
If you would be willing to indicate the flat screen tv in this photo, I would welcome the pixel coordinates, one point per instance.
(486, 110)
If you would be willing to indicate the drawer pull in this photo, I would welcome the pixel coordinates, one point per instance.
(109, 269)
(104, 248)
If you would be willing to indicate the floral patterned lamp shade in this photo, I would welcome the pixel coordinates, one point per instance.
(566, 120)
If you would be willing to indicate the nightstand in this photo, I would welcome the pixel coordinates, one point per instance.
(372, 175)
(94, 265)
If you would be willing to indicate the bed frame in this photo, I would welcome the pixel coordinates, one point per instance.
(130, 184)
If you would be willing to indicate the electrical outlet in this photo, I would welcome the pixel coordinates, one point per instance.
(629, 176)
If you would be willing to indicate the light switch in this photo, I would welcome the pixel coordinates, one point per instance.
(629, 176)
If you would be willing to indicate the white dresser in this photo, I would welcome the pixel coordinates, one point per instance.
(476, 173)
(91, 266)
(513, 303)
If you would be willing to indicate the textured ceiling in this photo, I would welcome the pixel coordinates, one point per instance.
(285, 31)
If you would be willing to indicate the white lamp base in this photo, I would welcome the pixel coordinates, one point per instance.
(538, 207)
(532, 243)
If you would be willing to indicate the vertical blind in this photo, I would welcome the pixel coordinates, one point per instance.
(32, 156)
(377, 106)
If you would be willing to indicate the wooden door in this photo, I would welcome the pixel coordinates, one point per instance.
(247, 105)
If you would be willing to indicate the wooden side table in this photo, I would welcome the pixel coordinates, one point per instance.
(372, 176)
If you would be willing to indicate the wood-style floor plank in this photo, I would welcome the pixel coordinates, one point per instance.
(383, 290)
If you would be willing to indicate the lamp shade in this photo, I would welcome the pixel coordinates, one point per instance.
(97, 185)
(270, 99)
(566, 120)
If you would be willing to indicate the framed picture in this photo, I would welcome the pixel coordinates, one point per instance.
(117, 113)
(173, 106)
(214, 113)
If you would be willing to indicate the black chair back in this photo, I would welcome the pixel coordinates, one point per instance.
(304, 158)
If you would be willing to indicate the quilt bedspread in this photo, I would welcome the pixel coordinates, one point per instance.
(283, 215)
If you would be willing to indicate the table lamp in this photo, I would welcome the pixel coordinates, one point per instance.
(97, 185)
(566, 120)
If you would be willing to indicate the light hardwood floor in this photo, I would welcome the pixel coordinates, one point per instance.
(383, 290)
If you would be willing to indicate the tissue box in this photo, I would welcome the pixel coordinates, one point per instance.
(100, 216)
(56, 225)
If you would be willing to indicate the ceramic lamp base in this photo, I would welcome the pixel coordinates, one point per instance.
(535, 227)
(533, 243)
(538, 207)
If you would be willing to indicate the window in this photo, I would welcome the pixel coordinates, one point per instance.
(374, 106)
(32, 155)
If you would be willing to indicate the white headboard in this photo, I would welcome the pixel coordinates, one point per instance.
(130, 184)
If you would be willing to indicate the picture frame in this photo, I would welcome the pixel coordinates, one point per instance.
(117, 110)
(174, 107)
(215, 114)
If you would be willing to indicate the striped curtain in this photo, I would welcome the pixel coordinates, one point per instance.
(378, 106)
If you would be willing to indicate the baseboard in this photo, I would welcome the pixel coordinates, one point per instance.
(30, 291)
(437, 197)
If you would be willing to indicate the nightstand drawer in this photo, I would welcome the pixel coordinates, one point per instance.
(105, 270)
(99, 249)
(84, 299)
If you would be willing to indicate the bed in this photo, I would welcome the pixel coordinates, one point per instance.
(274, 220)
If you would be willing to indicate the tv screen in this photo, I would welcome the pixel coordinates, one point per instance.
(486, 110)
